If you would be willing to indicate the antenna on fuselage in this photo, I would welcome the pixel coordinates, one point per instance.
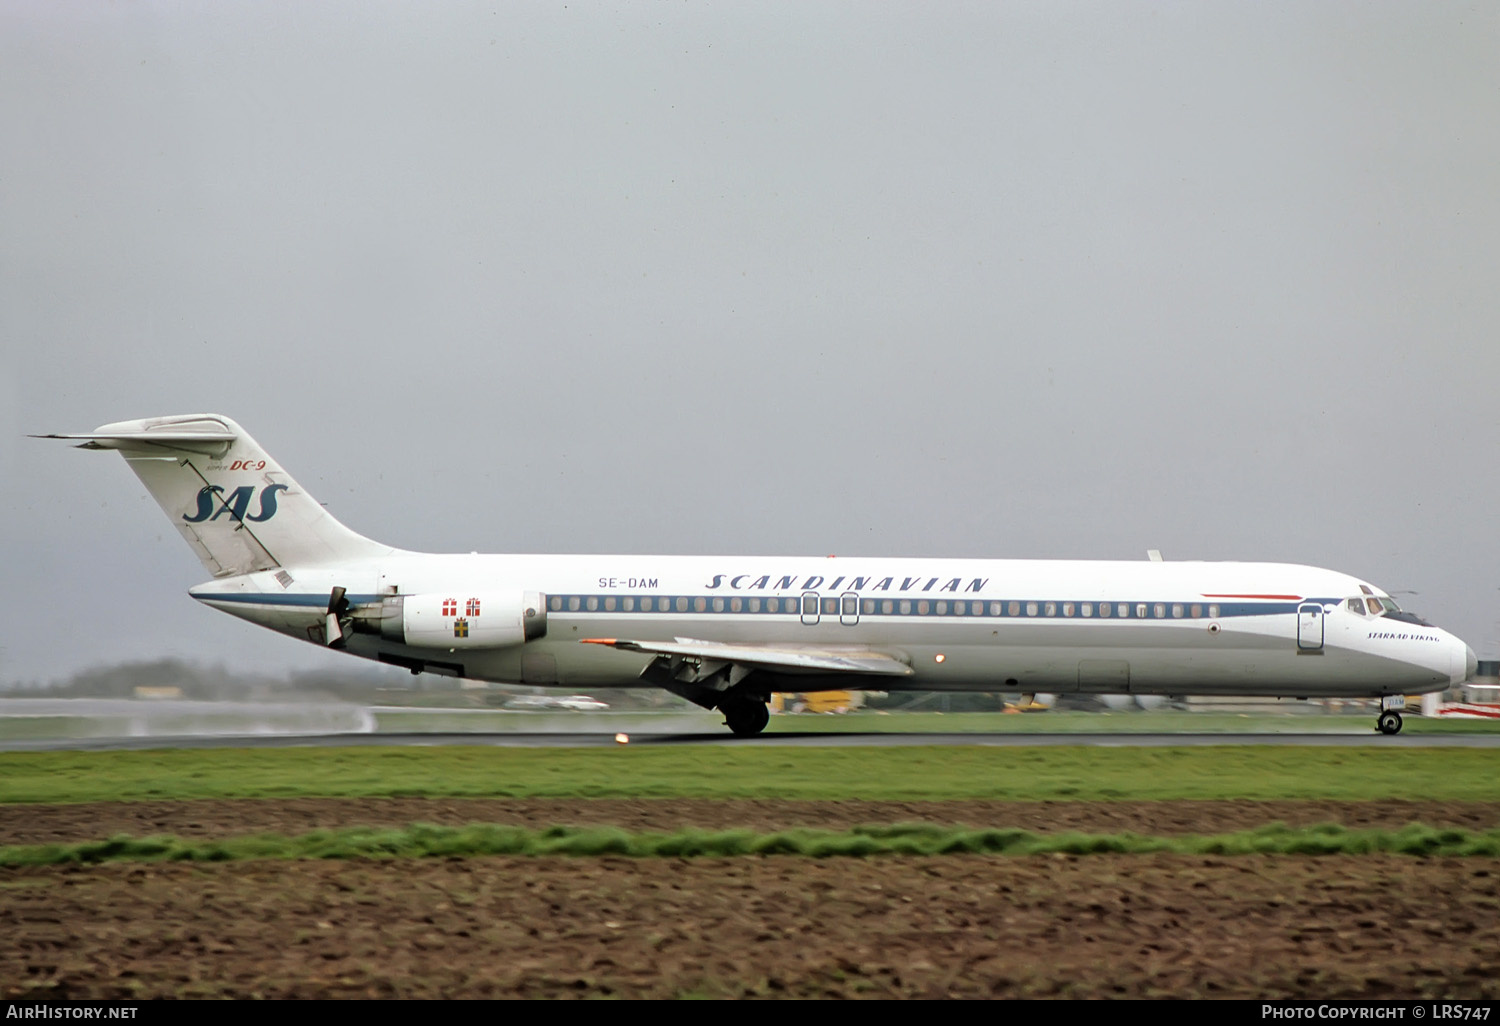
(1154, 555)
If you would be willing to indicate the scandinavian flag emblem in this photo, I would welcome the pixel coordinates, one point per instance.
(450, 607)
(471, 608)
(460, 628)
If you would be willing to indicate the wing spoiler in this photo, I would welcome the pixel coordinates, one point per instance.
(783, 658)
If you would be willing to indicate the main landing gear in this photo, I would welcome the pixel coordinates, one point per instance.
(1389, 722)
(746, 715)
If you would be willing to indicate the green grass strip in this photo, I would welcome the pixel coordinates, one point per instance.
(915, 772)
(1126, 722)
(426, 841)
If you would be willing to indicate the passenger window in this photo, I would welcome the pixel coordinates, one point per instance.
(1160, 610)
(830, 605)
(1177, 610)
(941, 609)
(922, 607)
(994, 609)
(755, 605)
(1067, 609)
(905, 606)
(609, 604)
(700, 604)
(573, 604)
(1197, 610)
(1213, 611)
(887, 606)
(1124, 609)
(554, 603)
(1087, 609)
(1031, 609)
(682, 605)
(1015, 609)
(773, 605)
(867, 606)
(1051, 608)
(628, 603)
(718, 604)
(1140, 610)
(736, 604)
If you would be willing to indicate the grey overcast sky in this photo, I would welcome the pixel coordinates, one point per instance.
(997, 279)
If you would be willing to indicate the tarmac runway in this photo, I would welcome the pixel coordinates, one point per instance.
(511, 739)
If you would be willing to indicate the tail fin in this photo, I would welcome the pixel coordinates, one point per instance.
(234, 504)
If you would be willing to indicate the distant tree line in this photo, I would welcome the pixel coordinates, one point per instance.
(218, 683)
(366, 684)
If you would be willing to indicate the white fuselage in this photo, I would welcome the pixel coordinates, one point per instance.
(1013, 625)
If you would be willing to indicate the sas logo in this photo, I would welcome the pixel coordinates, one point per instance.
(236, 503)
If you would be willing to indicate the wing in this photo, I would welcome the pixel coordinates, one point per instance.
(781, 658)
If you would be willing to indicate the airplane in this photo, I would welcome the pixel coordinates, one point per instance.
(724, 632)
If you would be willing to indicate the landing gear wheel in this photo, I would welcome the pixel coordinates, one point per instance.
(746, 716)
(1389, 722)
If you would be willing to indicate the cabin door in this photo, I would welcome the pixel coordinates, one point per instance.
(1310, 627)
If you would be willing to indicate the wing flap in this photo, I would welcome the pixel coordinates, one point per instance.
(795, 658)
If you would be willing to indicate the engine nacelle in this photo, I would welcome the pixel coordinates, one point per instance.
(454, 620)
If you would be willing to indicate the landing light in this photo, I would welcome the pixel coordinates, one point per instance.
(939, 657)
(622, 739)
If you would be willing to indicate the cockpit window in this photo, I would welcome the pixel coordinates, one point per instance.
(1357, 605)
(1386, 606)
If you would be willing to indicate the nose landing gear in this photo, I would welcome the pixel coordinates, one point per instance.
(1389, 722)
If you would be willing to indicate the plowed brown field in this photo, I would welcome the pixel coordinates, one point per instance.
(959, 926)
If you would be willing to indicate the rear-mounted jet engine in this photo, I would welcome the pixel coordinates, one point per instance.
(486, 620)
